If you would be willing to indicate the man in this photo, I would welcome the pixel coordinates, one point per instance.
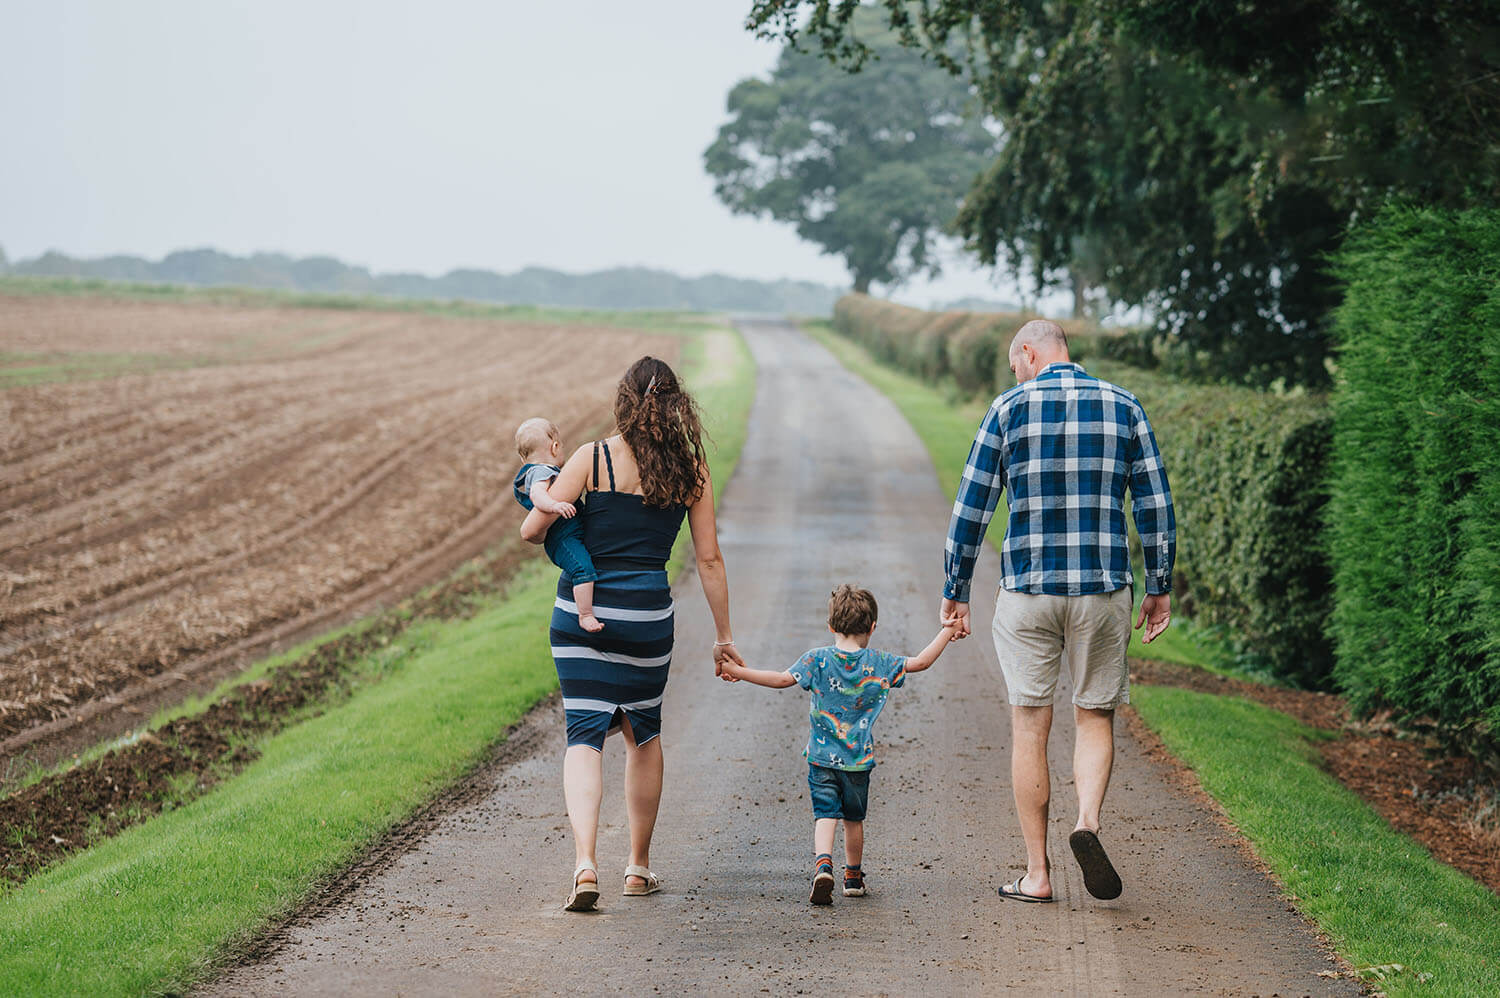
(1066, 445)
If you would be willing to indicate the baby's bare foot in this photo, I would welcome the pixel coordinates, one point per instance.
(590, 623)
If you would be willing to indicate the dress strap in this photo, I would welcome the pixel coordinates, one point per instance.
(609, 464)
(594, 483)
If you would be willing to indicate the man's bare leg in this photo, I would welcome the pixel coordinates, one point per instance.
(1033, 789)
(1093, 761)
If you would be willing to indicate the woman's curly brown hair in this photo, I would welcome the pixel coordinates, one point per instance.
(660, 423)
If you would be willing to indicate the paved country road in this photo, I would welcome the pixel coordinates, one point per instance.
(833, 486)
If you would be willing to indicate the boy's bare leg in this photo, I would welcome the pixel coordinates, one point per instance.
(1093, 760)
(583, 597)
(1033, 788)
(823, 829)
(854, 842)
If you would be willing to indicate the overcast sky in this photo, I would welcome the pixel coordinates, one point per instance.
(395, 135)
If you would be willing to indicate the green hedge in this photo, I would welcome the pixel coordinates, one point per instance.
(967, 348)
(1415, 515)
(1248, 473)
(1249, 482)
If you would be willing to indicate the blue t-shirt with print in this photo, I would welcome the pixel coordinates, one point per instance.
(848, 691)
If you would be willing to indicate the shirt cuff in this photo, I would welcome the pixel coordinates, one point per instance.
(956, 590)
(1157, 586)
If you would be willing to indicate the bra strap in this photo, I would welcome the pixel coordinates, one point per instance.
(609, 465)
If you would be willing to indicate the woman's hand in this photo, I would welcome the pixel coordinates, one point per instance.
(726, 653)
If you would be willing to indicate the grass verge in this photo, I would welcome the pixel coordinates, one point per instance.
(1381, 897)
(1408, 923)
(150, 910)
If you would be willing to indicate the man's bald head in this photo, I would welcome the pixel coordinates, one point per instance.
(1036, 344)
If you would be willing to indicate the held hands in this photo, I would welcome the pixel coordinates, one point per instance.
(727, 662)
(1156, 614)
(956, 615)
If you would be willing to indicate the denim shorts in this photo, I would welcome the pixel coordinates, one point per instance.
(838, 793)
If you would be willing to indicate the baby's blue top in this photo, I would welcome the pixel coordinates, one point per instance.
(528, 476)
(848, 691)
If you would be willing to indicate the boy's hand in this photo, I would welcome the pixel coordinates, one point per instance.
(726, 656)
(566, 510)
(955, 614)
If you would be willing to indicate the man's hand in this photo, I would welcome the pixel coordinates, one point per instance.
(956, 615)
(727, 655)
(1156, 614)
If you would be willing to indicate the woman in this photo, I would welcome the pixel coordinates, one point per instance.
(636, 487)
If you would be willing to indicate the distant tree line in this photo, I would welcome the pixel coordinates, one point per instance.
(621, 287)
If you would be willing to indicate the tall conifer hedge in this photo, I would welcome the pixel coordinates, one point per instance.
(1414, 518)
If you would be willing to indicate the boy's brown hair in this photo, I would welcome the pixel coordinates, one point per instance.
(852, 611)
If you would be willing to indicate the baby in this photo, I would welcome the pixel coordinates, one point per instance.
(849, 682)
(540, 445)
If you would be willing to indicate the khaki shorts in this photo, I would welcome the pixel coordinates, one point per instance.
(1035, 635)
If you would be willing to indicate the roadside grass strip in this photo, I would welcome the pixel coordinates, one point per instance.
(144, 911)
(1408, 923)
(1393, 911)
(946, 426)
(157, 907)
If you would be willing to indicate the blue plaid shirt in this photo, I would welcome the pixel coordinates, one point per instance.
(1066, 445)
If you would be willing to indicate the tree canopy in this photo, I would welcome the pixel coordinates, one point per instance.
(1211, 156)
(870, 166)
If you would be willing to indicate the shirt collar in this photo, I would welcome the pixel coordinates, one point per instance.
(1060, 367)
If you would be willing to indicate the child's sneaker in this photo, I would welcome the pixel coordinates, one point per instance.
(854, 882)
(822, 885)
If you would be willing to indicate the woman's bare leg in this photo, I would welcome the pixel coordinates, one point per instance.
(583, 787)
(643, 779)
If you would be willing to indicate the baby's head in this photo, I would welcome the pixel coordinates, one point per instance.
(852, 612)
(539, 441)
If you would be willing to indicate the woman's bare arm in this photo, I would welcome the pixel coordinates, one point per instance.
(566, 487)
(711, 574)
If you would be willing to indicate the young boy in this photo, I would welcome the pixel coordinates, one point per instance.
(539, 443)
(849, 683)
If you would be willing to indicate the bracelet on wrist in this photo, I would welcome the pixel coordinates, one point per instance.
(721, 644)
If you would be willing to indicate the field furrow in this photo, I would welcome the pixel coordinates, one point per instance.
(303, 465)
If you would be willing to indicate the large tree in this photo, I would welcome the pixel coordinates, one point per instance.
(871, 166)
(1212, 154)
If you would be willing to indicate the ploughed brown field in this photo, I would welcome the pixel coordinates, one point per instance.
(179, 481)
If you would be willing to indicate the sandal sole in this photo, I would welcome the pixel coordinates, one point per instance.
(583, 899)
(1099, 876)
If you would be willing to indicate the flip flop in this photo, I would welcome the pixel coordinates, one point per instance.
(584, 895)
(1099, 876)
(1013, 892)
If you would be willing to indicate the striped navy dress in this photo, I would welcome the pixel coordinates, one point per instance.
(621, 670)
